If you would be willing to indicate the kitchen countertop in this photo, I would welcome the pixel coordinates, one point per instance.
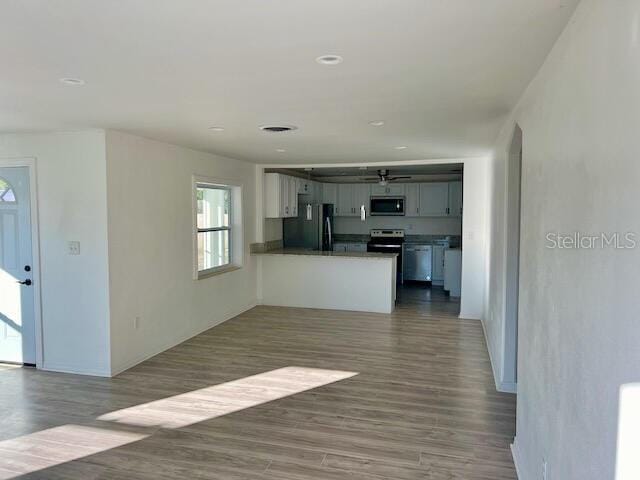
(321, 253)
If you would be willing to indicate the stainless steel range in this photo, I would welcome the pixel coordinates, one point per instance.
(388, 241)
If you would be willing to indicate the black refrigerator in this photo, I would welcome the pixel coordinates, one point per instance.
(312, 229)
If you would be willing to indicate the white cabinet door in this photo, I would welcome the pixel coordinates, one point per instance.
(273, 205)
(345, 206)
(412, 202)
(285, 210)
(437, 265)
(434, 199)
(330, 194)
(280, 196)
(393, 190)
(455, 199)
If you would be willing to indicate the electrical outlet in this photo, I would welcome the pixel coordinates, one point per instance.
(136, 322)
(73, 247)
(544, 469)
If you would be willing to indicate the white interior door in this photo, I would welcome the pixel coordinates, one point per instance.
(17, 312)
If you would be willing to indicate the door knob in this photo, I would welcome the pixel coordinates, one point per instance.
(26, 282)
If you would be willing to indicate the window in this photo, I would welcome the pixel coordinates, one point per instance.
(218, 242)
(6, 192)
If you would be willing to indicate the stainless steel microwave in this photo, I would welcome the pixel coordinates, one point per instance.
(387, 206)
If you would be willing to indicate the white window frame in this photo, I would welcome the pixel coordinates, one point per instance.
(235, 228)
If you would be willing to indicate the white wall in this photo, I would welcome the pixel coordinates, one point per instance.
(328, 282)
(150, 247)
(72, 203)
(412, 226)
(578, 325)
(474, 237)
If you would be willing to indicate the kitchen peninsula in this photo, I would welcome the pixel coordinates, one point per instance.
(357, 281)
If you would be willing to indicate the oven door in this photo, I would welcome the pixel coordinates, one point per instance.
(387, 206)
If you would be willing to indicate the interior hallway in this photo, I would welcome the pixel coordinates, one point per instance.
(419, 402)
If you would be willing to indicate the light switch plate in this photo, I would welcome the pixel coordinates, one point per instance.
(73, 247)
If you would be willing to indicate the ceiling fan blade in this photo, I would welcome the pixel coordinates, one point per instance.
(397, 178)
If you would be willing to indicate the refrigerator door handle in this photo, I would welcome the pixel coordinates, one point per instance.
(329, 231)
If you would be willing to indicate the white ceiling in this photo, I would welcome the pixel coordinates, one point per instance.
(442, 74)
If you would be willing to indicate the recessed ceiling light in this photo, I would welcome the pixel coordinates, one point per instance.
(329, 59)
(376, 123)
(278, 128)
(280, 150)
(216, 129)
(400, 147)
(72, 81)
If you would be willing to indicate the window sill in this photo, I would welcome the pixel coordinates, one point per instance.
(218, 271)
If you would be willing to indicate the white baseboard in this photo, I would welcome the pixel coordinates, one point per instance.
(504, 387)
(172, 343)
(73, 369)
(516, 460)
(508, 387)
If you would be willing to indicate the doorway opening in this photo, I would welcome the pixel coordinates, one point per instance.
(414, 211)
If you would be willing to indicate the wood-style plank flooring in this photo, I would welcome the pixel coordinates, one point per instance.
(276, 393)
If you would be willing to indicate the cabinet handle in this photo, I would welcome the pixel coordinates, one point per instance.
(447, 210)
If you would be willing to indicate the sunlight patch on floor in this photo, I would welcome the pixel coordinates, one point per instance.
(47, 448)
(58, 445)
(217, 400)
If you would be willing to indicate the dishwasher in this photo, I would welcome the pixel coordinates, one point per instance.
(417, 262)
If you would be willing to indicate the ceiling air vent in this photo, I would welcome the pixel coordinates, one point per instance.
(278, 128)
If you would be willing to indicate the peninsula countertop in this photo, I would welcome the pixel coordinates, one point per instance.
(326, 253)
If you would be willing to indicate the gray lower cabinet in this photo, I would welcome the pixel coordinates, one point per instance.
(349, 247)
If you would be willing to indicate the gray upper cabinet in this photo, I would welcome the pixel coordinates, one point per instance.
(305, 187)
(455, 199)
(392, 190)
(330, 194)
(361, 197)
(434, 199)
(350, 198)
(412, 202)
(344, 207)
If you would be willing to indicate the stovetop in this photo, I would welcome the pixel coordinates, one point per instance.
(388, 237)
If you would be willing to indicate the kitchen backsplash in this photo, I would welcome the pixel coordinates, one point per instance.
(410, 225)
(454, 240)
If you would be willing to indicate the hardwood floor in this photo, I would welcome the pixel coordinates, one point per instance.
(372, 397)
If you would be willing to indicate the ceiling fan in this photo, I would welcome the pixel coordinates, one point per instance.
(384, 178)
